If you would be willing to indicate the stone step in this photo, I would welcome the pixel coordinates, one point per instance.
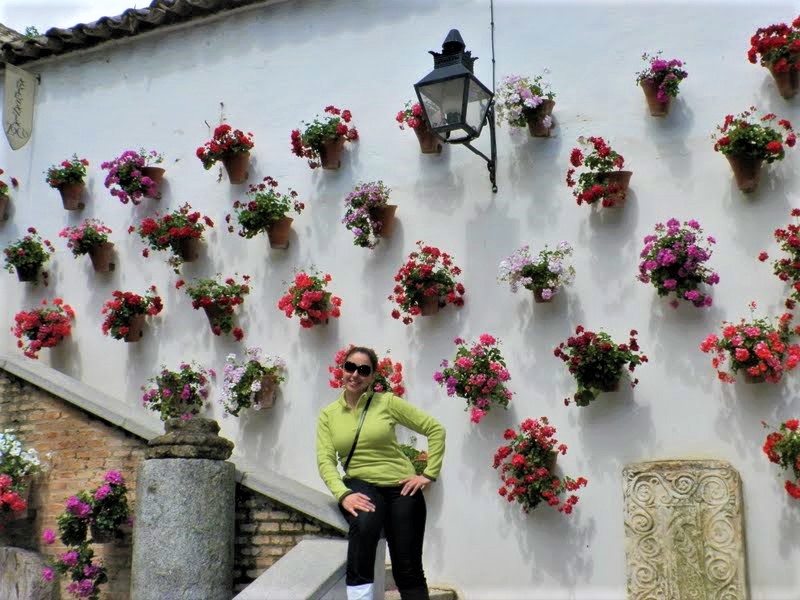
(389, 578)
(434, 594)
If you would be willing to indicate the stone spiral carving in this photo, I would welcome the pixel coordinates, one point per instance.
(683, 531)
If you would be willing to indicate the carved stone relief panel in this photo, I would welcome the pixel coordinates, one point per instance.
(684, 537)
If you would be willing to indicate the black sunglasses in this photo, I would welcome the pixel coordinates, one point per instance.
(363, 370)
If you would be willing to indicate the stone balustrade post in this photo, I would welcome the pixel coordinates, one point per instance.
(183, 532)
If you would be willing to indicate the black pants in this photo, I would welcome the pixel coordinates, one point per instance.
(403, 520)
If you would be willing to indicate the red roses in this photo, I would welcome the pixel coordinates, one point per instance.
(528, 476)
(123, 306)
(782, 447)
(776, 46)
(429, 275)
(226, 141)
(334, 127)
(308, 299)
(594, 184)
(43, 327)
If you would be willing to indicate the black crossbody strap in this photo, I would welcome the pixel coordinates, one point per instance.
(358, 432)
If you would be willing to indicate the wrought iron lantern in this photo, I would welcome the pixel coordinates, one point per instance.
(455, 103)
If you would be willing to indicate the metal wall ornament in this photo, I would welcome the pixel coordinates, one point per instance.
(455, 103)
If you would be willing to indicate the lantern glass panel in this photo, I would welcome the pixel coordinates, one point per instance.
(478, 99)
(443, 102)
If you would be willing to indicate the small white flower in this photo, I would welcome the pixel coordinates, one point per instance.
(547, 121)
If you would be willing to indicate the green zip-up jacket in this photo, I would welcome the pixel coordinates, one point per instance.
(377, 459)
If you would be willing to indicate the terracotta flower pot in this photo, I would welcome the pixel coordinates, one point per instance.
(156, 174)
(535, 125)
(237, 166)
(609, 387)
(746, 171)
(385, 216)
(100, 535)
(538, 298)
(650, 89)
(4, 207)
(428, 142)
(752, 378)
(213, 313)
(787, 83)
(71, 194)
(550, 464)
(265, 397)
(28, 273)
(330, 155)
(621, 179)
(188, 249)
(135, 328)
(429, 305)
(101, 255)
(278, 233)
(317, 321)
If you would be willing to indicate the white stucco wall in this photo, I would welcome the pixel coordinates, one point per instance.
(273, 67)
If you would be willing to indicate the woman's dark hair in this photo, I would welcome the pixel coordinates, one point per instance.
(373, 358)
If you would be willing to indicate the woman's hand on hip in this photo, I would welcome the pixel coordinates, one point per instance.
(357, 501)
(412, 484)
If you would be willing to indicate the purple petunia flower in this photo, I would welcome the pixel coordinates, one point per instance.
(102, 492)
(114, 477)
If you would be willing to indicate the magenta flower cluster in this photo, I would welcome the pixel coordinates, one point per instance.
(125, 178)
(667, 74)
(78, 508)
(674, 261)
(658, 66)
(478, 374)
(104, 508)
(360, 216)
(85, 588)
(102, 492)
(114, 478)
(178, 394)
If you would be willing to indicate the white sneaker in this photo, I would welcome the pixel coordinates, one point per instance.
(360, 592)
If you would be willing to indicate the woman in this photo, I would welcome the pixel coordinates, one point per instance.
(380, 489)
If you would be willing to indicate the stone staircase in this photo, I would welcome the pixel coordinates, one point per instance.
(435, 592)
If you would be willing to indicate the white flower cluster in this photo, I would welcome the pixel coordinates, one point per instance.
(233, 397)
(14, 459)
(517, 96)
(518, 269)
(511, 268)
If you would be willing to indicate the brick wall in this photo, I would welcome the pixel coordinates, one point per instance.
(265, 531)
(77, 449)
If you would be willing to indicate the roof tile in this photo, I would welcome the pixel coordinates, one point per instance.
(16, 50)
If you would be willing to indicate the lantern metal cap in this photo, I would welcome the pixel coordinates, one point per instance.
(453, 52)
(449, 96)
(453, 43)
